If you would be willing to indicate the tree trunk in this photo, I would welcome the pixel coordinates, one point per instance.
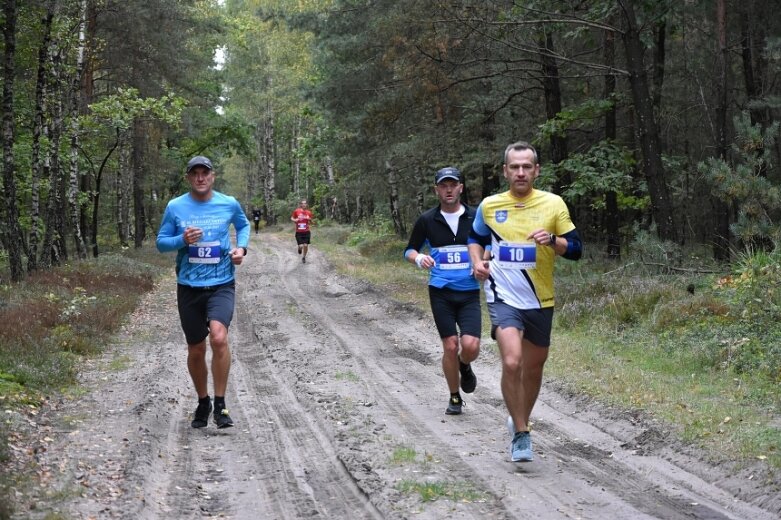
(51, 253)
(721, 235)
(612, 216)
(752, 43)
(96, 198)
(395, 212)
(647, 129)
(39, 128)
(123, 190)
(659, 54)
(270, 188)
(74, 180)
(552, 90)
(296, 166)
(139, 181)
(14, 239)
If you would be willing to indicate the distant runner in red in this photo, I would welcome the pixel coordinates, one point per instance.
(303, 218)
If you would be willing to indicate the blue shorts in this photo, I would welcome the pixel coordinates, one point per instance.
(535, 323)
(199, 305)
(455, 308)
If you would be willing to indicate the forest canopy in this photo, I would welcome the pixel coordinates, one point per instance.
(656, 117)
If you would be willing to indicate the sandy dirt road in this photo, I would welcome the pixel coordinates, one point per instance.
(329, 380)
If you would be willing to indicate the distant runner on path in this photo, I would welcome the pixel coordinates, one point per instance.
(256, 219)
(454, 293)
(303, 219)
(526, 229)
(197, 226)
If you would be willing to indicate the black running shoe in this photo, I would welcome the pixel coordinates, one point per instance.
(222, 419)
(202, 415)
(303, 260)
(454, 405)
(468, 377)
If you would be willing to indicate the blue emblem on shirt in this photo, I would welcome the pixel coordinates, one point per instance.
(501, 215)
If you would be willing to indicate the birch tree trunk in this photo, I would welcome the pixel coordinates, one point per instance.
(123, 190)
(53, 249)
(39, 128)
(259, 168)
(13, 237)
(138, 180)
(296, 159)
(270, 147)
(74, 181)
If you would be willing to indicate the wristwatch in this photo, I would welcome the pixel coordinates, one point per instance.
(245, 250)
(552, 240)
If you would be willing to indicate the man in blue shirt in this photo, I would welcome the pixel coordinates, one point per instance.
(197, 226)
(453, 292)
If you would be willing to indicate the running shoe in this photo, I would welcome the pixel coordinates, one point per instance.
(222, 419)
(468, 377)
(201, 418)
(521, 447)
(303, 260)
(454, 405)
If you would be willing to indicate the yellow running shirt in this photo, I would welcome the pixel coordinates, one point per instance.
(521, 271)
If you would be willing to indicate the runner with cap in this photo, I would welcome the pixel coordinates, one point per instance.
(196, 226)
(454, 293)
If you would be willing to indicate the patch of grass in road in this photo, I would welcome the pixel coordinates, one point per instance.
(455, 491)
(346, 376)
(120, 363)
(403, 455)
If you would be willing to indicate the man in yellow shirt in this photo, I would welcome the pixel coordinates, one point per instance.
(526, 229)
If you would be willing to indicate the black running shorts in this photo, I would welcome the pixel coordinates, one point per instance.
(303, 238)
(456, 311)
(199, 305)
(535, 323)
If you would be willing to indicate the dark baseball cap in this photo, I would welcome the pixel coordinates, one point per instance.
(199, 160)
(448, 173)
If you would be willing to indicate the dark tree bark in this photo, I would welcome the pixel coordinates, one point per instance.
(13, 237)
(552, 89)
(752, 42)
(721, 235)
(612, 217)
(647, 129)
(395, 210)
(659, 56)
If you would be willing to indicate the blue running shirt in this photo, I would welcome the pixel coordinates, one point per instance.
(208, 262)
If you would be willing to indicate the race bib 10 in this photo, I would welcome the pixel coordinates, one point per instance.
(517, 255)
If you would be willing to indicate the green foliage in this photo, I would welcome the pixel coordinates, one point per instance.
(745, 185)
(603, 168)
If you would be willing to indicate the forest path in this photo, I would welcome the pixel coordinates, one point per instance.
(338, 399)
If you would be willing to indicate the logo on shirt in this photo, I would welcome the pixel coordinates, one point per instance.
(501, 215)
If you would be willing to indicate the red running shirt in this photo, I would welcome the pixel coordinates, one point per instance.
(302, 218)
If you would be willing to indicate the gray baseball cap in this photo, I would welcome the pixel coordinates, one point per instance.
(199, 160)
